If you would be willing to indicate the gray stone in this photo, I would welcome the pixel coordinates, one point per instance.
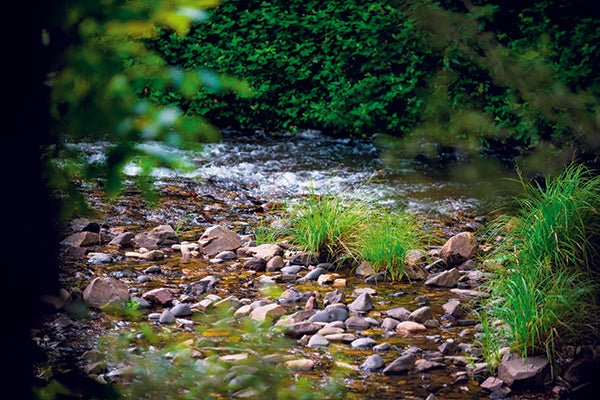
(373, 363)
(317, 340)
(326, 266)
(362, 303)
(334, 297)
(376, 278)
(426, 365)
(166, 317)
(491, 384)
(256, 264)
(337, 313)
(314, 274)
(389, 324)
(270, 311)
(408, 327)
(364, 270)
(358, 323)
(84, 224)
(341, 337)
(459, 248)
(291, 270)
(400, 365)
(454, 309)
(155, 269)
(363, 343)
(448, 348)
(226, 255)
(159, 296)
(444, 279)
(181, 310)
(399, 313)
(217, 239)
(517, 372)
(304, 259)
(104, 290)
(382, 347)
(99, 258)
(265, 251)
(300, 329)
(320, 316)
(143, 279)
(421, 314)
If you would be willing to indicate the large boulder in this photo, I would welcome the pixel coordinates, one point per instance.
(459, 248)
(444, 279)
(104, 290)
(217, 239)
(162, 235)
(82, 239)
(517, 372)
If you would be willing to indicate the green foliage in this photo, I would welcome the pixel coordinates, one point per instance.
(265, 234)
(99, 84)
(164, 365)
(327, 224)
(385, 241)
(545, 293)
(340, 66)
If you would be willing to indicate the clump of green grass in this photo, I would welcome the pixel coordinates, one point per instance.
(546, 293)
(265, 234)
(386, 240)
(327, 224)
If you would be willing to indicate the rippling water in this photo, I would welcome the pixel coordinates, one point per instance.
(291, 165)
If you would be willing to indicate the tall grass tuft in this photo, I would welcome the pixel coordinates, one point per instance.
(386, 240)
(546, 294)
(327, 224)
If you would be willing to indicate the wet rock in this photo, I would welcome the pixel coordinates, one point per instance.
(400, 365)
(162, 235)
(226, 255)
(155, 269)
(326, 266)
(470, 293)
(330, 330)
(203, 285)
(444, 279)
(376, 278)
(84, 224)
(399, 313)
(291, 270)
(491, 384)
(362, 303)
(270, 311)
(358, 291)
(229, 302)
(517, 372)
(326, 279)
(304, 364)
(315, 274)
(304, 259)
(363, 343)
(95, 368)
(311, 303)
(203, 305)
(104, 290)
(265, 251)
(275, 264)
(448, 348)
(160, 296)
(373, 363)
(358, 323)
(300, 329)
(317, 340)
(99, 258)
(154, 316)
(122, 240)
(382, 347)
(436, 266)
(432, 323)
(415, 258)
(320, 316)
(459, 248)
(167, 317)
(421, 314)
(500, 394)
(217, 239)
(298, 316)
(467, 265)
(364, 270)
(580, 370)
(389, 324)
(337, 312)
(293, 295)
(82, 239)
(143, 279)
(153, 255)
(142, 302)
(181, 310)
(341, 337)
(256, 264)
(334, 297)
(415, 272)
(235, 358)
(426, 365)
(408, 327)
(339, 282)
(454, 308)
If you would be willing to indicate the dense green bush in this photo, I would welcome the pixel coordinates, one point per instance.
(349, 68)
